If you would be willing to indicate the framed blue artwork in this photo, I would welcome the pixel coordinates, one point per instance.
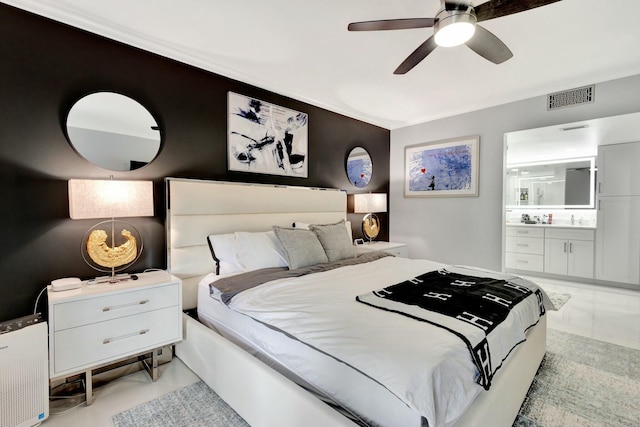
(442, 168)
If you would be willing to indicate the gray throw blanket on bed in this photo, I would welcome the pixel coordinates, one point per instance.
(233, 285)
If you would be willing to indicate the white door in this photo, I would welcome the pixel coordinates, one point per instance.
(580, 259)
(618, 240)
(618, 172)
(555, 256)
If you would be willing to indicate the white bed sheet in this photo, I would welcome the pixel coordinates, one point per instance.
(284, 354)
(439, 391)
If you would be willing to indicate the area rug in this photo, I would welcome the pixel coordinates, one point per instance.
(195, 405)
(558, 299)
(583, 383)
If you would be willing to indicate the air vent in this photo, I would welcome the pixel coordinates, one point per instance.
(570, 98)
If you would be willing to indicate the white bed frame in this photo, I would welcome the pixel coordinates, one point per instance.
(262, 396)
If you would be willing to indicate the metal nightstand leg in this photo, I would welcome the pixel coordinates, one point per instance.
(88, 387)
(152, 369)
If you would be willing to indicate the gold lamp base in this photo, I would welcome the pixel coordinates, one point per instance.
(123, 249)
(370, 226)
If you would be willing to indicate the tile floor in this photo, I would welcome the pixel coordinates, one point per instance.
(599, 312)
(124, 393)
(603, 313)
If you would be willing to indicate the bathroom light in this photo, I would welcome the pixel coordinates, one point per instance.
(454, 28)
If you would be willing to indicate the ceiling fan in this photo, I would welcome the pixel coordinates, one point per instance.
(455, 24)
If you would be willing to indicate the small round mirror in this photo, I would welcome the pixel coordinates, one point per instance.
(359, 168)
(113, 131)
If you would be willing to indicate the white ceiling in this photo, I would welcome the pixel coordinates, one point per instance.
(302, 49)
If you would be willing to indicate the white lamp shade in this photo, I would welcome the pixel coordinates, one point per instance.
(109, 199)
(369, 202)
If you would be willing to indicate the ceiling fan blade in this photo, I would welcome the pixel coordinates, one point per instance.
(497, 8)
(487, 45)
(416, 56)
(391, 24)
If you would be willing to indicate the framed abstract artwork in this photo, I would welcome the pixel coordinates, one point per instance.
(442, 168)
(266, 138)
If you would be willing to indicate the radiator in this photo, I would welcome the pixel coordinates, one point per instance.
(24, 372)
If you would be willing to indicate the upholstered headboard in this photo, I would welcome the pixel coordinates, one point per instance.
(199, 208)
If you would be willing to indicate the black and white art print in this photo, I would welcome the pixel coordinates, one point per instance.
(266, 138)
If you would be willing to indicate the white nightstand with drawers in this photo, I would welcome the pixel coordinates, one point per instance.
(396, 249)
(97, 325)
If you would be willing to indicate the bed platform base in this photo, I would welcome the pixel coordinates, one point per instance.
(265, 398)
(260, 395)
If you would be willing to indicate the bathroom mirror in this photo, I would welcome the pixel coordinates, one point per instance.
(552, 184)
(359, 167)
(113, 131)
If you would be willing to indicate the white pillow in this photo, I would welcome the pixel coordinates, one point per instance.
(259, 250)
(223, 249)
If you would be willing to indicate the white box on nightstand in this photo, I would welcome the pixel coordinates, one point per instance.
(96, 325)
(396, 249)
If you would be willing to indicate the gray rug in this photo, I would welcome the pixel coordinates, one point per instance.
(558, 299)
(195, 405)
(583, 383)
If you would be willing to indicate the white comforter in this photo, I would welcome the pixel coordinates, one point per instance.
(428, 368)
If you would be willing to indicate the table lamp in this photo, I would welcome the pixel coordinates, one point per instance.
(92, 199)
(370, 203)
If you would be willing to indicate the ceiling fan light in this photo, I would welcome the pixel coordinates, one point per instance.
(454, 29)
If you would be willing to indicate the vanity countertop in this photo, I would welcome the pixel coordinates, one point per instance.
(521, 224)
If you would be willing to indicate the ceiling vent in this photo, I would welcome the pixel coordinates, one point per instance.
(570, 98)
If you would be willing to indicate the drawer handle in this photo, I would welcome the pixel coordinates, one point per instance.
(523, 232)
(523, 245)
(521, 261)
(113, 307)
(121, 337)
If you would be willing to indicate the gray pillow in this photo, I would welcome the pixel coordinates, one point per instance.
(302, 247)
(335, 240)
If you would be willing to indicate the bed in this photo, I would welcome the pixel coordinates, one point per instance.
(242, 362)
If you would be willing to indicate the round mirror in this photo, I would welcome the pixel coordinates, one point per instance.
(359, 168)
(113, 131)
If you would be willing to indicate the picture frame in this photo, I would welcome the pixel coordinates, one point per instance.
(266, 138)
(445, 168)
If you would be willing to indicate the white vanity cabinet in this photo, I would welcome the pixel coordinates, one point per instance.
(525, 249)
(569, 252)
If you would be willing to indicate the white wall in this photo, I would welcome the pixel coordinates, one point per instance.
(468, 230)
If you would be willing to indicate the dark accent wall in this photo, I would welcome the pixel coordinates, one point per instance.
(45, 67)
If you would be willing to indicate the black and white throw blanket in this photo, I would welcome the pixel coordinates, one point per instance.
(476, 309)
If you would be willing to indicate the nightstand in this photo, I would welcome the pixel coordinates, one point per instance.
(396, 249)
(96, 325)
